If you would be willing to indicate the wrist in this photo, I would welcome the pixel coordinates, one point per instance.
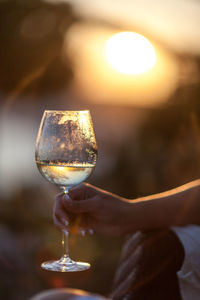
(136, 216)
(149, 214)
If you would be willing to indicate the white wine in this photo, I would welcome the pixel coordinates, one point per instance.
(66, 154)
(65, 174)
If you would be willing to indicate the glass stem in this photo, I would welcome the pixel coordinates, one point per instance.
(65, 243)
(65, 235)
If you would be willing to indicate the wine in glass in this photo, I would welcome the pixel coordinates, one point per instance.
(66, 153)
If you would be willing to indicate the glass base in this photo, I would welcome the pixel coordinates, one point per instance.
(65, 264)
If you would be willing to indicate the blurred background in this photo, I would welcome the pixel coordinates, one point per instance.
(143, 91)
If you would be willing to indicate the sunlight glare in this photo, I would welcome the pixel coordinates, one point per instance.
(99, 82)
(130, 53)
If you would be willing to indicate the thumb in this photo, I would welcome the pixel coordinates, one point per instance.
(78, 206)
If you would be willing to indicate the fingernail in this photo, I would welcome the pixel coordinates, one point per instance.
(65, 231)
(65, 222)
(66, 196)
(90, 231)
(82, 232)
(69, 201)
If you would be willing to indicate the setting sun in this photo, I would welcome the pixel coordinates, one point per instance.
(146, 77)
(130, 53)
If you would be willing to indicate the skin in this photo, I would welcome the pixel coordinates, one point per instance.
(111, 214)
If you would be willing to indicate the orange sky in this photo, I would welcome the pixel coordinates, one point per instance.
(175, 22)
(99, 82)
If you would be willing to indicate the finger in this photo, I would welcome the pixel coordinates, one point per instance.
(61, 214)
(82, 206)
(61, 218)
(59, 211)
(90, 231)
(103, 228)
(58, 202)
(125, 286)
(76, 224)
(82, 232)
(59, 197)
(131, 245)
(86, 224)
(60, 224)
(128, 266)
(141, 261)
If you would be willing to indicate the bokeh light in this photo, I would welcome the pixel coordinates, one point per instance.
(130, 53)
(99, 82)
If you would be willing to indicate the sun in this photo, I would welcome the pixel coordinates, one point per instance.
(130, 53)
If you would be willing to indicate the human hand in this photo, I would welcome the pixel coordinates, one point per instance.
(148, 266)
(100, 210)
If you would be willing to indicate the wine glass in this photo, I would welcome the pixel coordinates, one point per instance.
(66, 153)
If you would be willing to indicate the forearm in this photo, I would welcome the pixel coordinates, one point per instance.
(177, 207)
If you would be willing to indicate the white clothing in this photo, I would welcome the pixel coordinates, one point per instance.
(189, 274)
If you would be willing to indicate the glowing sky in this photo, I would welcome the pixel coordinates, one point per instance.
(175, 22)
(98, 80)
(169, 25)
